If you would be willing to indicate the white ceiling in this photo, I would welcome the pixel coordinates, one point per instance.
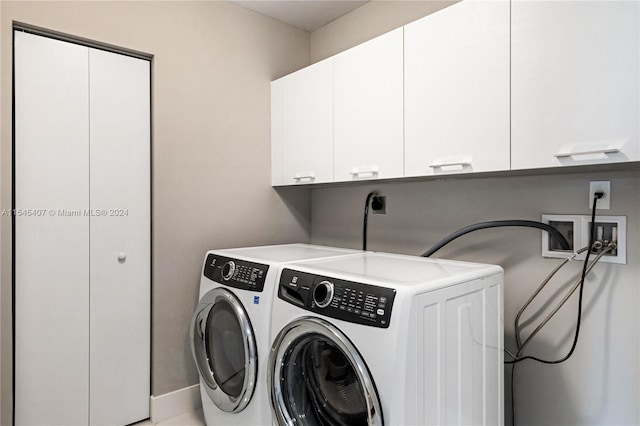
(308, 15)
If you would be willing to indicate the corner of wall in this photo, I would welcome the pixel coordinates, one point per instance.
(369, 21)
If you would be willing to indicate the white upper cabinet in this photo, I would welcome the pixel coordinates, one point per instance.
(457, 90)
(575, 83)
(307, 125)
(482, 85)
(368, 110)
(302, 126)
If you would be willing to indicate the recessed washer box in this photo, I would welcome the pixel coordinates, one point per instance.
(606, 228)
(576, 228)
(570, 226)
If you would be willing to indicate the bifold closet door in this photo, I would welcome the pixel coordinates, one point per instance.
(52, 249)
(82, 246)
(120, 292)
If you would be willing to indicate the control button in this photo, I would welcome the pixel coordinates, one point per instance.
(228, 269)
(290, 284)
(356, 311)
(323, 294)
(365, 314)
(380, 311)
(349, 309)
(372, 316)
(342, 307)
(383, 299)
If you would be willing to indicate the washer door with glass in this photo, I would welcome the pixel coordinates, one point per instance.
(224, 348)
(317, 377)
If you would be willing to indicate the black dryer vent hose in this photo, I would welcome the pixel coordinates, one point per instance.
(553, 232)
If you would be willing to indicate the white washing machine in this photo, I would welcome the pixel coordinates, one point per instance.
(230, 328)
(383, 339)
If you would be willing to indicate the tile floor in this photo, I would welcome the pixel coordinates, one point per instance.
(194, 418)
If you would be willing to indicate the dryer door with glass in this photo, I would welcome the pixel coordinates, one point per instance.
(317, 377)
(224, 348)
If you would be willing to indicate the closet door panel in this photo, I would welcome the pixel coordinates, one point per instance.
(120, 238)
(52, 246)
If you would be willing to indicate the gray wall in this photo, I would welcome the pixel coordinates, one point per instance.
(212, 67)
(599, 385)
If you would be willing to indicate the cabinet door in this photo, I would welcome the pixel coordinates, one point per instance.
(457, 90)
(120, 238)
(368, 110)
(307, 124)
(575, 85)
(51, 249)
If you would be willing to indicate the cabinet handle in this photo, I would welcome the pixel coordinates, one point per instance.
(587, 152)
(122, 257)
(311, 176)
(461, 163)
(365, 170)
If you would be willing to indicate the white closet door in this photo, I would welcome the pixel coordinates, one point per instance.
(120, 238)
(52, 250)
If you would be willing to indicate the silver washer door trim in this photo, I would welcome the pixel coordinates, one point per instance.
(198, 335)
(290, 335)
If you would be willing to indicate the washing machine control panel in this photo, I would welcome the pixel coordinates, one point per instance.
(236, 273)
(345, 300)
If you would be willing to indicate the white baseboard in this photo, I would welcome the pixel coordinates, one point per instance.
(174, 403)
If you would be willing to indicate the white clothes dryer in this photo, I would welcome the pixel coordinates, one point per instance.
(383, 339)
(230, 328)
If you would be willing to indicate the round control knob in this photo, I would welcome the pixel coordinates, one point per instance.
(228, 269)
(323, 294)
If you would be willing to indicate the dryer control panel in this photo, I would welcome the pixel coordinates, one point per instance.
(345, 300)
(236, 273)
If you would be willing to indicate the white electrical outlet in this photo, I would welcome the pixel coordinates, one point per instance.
(604, 203)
